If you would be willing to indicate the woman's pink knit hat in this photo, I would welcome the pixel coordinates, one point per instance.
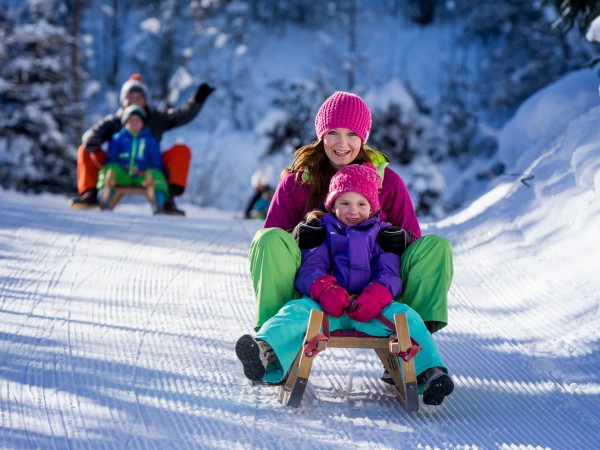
(363, 179)
(344, 110)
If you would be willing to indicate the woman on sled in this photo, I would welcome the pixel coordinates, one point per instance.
(353, 281)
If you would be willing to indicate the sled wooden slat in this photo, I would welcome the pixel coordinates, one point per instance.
(358, 342)
(386, 348)
(409, 395)
(292, 391)
(121, 191)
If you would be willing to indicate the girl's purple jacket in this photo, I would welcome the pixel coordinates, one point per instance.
(351, 254)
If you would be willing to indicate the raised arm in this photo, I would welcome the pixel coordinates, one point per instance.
(177, 117)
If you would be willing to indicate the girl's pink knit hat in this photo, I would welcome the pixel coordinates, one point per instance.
(363, 179)
(344, 110)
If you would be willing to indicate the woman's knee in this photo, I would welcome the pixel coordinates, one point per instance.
(429, 254)
(267, 235)
(273, 240)
(178, 152)
(439, 243)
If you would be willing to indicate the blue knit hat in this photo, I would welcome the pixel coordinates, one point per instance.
(133, 109)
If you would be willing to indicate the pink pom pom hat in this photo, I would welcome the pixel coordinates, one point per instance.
(344, 110)
(362, 179)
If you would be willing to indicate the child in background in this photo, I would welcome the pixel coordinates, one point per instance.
(351, 279)
(258, 205)
(261, 205)
(132, 152)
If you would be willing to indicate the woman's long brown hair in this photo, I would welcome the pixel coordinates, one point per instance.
(314, 158)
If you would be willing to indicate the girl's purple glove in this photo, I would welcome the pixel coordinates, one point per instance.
(333, 298)
(370, 303)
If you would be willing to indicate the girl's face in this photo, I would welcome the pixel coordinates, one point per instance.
(341, 146)
(351, 208)
(134, 123)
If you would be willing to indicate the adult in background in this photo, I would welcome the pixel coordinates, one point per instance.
(176, 160)
(342, 126)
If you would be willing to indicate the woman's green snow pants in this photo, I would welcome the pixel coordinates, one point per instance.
(426, 271)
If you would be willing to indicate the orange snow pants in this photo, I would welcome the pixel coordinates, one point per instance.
(176, 165)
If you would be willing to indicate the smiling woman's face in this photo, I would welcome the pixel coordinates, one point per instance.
(341, 146)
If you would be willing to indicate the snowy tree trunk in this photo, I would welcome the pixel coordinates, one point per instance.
(76, 68)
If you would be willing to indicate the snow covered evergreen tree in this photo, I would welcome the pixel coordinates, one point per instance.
(523, 52)
(508, 52)
(291, 125)
(575, 12)
(37, 116)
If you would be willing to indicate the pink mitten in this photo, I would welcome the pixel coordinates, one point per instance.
(369, 304)
(332, 297)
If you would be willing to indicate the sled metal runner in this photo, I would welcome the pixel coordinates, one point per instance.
(387, 349)
(147, 189)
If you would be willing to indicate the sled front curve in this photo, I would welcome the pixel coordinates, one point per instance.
(387, 349)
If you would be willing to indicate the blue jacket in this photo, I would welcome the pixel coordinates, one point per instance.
(351, 254)
(135, 153)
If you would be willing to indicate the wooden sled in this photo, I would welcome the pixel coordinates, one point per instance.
(387, 349)
(146, 189)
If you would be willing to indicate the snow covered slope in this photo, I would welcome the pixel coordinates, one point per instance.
(117, 329)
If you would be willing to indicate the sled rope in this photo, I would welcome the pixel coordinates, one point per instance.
(414, 348)
(411, 352)
(95, 160)
(311, 348)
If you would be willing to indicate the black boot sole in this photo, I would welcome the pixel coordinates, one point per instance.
(386, 378)
(438, 389)
(248, 353)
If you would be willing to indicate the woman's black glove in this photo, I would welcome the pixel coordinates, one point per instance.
(394, 240)
(202, 93)
(309, 234)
